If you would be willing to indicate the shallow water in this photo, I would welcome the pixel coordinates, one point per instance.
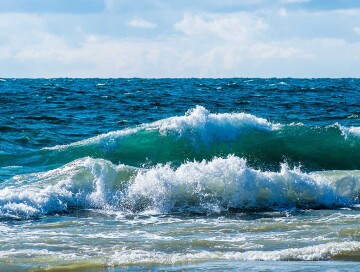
(179, 174)
(104, 240)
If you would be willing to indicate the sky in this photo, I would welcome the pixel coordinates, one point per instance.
(179, 38)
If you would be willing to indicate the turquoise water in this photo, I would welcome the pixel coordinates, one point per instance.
(179, 174)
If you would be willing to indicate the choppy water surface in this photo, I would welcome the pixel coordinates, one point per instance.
(179, 174)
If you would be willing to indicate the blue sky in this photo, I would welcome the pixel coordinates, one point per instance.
(157, 38)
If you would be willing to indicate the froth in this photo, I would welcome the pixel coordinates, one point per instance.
(208, 186)
(83, 183)
(226, 183)
(326, 251)
(310, 253)
(209, 126)
(350, 131)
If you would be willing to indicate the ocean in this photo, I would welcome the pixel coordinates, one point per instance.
(179, 174)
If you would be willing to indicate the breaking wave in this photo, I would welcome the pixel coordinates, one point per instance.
(200, 135)
(221, 184)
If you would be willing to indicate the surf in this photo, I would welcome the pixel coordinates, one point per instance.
(218, 185)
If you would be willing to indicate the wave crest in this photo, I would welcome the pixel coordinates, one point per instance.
(196, 123)
(218, 185)
(200, 135)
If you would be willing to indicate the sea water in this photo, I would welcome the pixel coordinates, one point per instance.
(179, 174)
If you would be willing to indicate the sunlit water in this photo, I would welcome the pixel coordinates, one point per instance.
(179, 174)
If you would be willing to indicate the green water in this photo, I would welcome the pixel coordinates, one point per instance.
(108, 241)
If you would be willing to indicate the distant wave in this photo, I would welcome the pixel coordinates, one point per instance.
(200, 135)
(221, 184)
(196, 124)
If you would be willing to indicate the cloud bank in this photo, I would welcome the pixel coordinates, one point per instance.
(123, 38)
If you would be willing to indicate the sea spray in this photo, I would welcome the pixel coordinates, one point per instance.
(221, 184)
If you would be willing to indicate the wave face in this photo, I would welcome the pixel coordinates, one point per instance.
(200, 135)
(221, 184)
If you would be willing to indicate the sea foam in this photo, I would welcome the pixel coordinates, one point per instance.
(327, 251)
(212, 186)
(350, 131)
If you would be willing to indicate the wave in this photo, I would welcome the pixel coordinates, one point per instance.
(197, 124)
(200, 135)
(328, 251)
(219, 185)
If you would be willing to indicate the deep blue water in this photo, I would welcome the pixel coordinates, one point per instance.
(37, 113)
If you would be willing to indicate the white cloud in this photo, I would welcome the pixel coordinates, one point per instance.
(356, 30)
(141, 23)
(348, 12)
(283, 12)
(178, 57)
(234, 26)
(193, 44)
(273, 51)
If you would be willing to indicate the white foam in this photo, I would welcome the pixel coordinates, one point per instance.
(204, 186)
(311, 253)
(142, 257)
(212, 186)
(349, 131)
(229, 183)
(83, 183)
(97, 139)
(35, 253)
(206, 124)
